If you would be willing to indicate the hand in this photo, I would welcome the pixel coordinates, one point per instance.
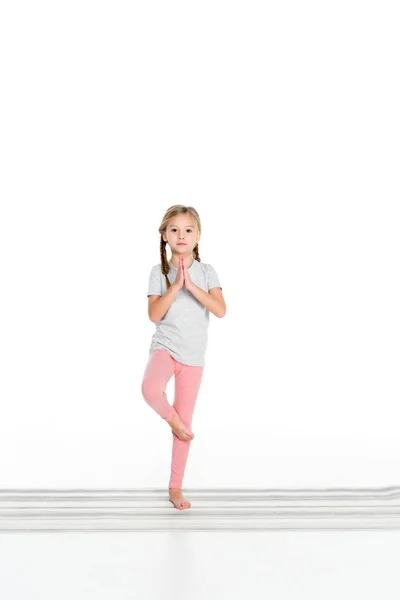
(180, 276)
(187, 281)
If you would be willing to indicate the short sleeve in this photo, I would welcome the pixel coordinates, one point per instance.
(154, 286)
(212, 278)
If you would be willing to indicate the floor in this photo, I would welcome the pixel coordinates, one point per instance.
(198, 565)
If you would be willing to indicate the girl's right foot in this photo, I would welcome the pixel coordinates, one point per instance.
(179, 428)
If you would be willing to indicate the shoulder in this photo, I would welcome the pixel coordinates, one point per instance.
(156, 271)
(207, 269)
(203, 266)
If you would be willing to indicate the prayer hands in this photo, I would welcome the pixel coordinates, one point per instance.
(186, 277)
(183, 277)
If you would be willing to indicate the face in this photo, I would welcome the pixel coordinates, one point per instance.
(181, 230)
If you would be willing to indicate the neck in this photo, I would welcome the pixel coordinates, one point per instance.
(188, 260)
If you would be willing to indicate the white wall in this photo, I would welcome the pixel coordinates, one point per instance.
(279, 123)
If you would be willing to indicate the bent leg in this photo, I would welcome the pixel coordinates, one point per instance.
(187, 384)
(158, 372)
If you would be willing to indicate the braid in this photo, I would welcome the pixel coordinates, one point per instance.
(196, 253)
(164, 261)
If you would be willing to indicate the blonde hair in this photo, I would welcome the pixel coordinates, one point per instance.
(176, 209)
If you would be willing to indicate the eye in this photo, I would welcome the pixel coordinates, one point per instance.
(174, 229)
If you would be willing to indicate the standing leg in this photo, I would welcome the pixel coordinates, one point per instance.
(159, 370)
(187, 384)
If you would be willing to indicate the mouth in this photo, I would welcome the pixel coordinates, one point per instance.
(181, 244)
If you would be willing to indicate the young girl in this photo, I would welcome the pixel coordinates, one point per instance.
(181, 294)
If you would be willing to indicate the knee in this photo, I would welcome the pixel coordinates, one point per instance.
(149, 391)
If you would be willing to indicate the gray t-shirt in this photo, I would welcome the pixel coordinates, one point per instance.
(183, 331)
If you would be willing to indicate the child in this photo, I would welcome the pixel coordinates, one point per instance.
(181, 293)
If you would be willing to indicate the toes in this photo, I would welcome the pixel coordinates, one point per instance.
(181, 504)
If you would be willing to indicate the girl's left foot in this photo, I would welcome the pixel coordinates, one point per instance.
(178, 499)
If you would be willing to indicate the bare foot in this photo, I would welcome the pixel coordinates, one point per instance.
(179, 428)
(178, 499)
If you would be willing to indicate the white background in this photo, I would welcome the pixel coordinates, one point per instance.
(279, 123)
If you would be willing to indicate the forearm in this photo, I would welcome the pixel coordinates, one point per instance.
(207, 300)
(161, 306)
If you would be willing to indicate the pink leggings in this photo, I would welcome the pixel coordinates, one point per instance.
(159, 370)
